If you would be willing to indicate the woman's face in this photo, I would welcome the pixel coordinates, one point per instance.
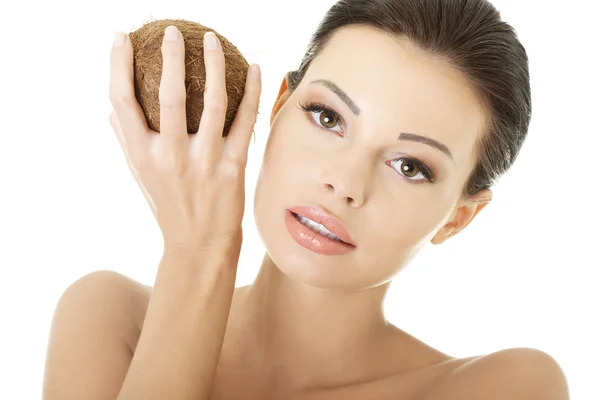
(389, 160)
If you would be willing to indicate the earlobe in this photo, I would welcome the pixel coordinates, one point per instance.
(282, 97)
(442, 235)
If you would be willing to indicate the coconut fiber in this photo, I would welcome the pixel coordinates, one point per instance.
(147, 66)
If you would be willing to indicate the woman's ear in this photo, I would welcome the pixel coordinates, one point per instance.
(284, 94)
(464, 214)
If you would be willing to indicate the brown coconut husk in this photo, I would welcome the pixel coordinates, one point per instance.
(147, 42)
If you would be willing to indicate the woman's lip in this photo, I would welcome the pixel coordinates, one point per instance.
(312, 240)
(330, 222)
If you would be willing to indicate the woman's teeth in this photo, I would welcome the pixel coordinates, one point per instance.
(317, 227)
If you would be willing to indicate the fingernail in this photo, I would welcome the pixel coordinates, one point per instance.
(119, 39)
(210, 41)
(255, 71)
(171, 33)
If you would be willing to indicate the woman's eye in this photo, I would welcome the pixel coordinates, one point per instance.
(409, 169)
(323, 116)
(414, 170)
(327, 119)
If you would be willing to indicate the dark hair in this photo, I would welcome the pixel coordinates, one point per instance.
(468, 34)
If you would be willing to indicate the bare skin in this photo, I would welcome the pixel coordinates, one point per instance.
(311, 326)
(405, 368)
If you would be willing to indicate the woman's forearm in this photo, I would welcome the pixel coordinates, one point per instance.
(181, 339)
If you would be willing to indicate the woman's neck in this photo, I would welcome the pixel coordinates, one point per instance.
(314, 334)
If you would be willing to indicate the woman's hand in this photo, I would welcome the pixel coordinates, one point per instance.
(194, 183)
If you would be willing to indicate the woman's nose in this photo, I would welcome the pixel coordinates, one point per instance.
(349, 185)
(348, 197)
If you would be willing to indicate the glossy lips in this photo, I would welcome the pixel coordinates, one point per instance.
(313, 240)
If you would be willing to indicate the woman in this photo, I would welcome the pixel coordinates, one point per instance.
(390, 135)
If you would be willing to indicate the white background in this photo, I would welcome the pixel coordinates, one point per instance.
(524, 274)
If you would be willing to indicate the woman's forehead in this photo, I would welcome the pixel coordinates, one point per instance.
(390, 78)
(364, 56)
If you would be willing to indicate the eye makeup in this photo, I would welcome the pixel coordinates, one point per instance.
(314, 107)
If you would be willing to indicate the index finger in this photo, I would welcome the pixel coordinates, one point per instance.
(122, 94)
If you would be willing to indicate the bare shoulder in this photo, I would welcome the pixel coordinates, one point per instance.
(95, 328)
(516, 374)
(119, 295)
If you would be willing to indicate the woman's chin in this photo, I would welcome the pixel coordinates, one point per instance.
(317, 271)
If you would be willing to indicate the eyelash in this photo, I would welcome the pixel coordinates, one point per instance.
(424, 169)
(314, 107)
(319, 108)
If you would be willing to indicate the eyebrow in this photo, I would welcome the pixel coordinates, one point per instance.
(340, 93)
(403, 136)
(428, 141)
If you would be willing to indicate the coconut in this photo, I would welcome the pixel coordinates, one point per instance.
(147, 67)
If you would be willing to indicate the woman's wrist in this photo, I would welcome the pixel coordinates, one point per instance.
(199, 269)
